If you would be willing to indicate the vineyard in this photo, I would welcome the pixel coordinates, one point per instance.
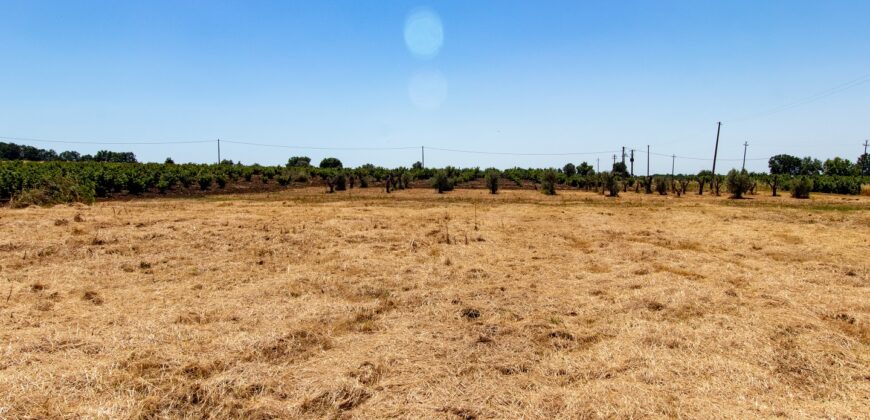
(23, 182)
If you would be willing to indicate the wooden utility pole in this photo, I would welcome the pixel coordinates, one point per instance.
(716, 152)
(623, 155)
(647, 161)
(745, 145)
(632, 162)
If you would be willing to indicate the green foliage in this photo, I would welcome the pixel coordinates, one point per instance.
(611, 183)
(55, 191)
(784, 165)
(204, 179)
(585, 169)
(548, 182)
(801, 187)
(168, 161)
(300, 162)
(863, 164)
(620, 169)
(491, 178)
(442, 181)
(569, 170)
(738, 183)
(839, 167)
(331, 162)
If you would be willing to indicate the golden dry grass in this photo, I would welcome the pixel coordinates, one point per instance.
(302, 304)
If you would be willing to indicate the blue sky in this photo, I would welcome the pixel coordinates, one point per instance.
(536, 77)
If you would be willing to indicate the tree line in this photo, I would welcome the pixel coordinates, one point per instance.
(106, 174)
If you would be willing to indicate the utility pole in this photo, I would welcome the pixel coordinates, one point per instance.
(219, 151)
(716, 151)
(745, 145)
(423, 156)
(614, 159)
(673, 163)
(632, 162)
(865, 146)
(623, 155)
(647, 161)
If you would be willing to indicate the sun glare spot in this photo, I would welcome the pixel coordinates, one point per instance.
(424, 34)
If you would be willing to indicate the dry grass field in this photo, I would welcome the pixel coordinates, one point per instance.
(414, 305)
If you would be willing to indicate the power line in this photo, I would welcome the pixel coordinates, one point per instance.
(132, 143)
(809, 99)
(478, 152)
(283, 146)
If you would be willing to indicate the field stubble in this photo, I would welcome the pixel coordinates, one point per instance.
(466, 305)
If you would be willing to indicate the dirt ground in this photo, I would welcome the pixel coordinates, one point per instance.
(419, 305)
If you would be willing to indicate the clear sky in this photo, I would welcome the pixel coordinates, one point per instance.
(500, 76)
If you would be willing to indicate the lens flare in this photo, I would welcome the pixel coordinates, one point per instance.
(424, 34)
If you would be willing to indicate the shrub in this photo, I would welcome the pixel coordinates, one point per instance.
(647, 185)
(442, 182)
(340, 182)
(661, 185)
(221, 179)
(204, 179)
(491, 178)
(55, 191)
(569, 170)
(284, 179)
(738, 183)
(801, 187)
(611, 184)
(548, 182)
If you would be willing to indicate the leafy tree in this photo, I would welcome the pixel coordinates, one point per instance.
(863, 164)
(116, 157)
(839, 166)
(620, 169)
(585, 169)
(738, 183)
(417, 165)
(331, 162)
(810, 166)
(491, 178)
(300, 162)
(227, 162)
(784, 165)
(569, 170)
(69, 156)
(169, 161)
